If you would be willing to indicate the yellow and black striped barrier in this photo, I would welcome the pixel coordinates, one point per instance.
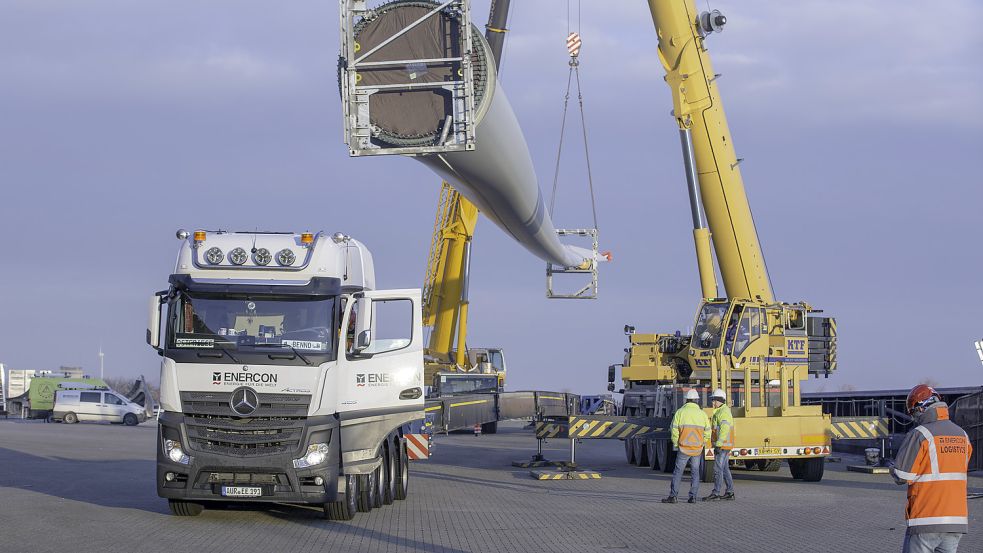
(860, 428)
(590, 427)
(565, 474)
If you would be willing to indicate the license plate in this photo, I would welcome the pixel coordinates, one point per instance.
(769, 451)
(241, 491)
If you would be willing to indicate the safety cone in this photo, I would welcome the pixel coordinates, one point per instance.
(477, 430)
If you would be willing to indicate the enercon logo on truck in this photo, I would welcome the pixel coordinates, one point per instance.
(285, 376)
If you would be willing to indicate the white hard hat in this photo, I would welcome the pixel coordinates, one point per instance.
(719, 394)
(692, 394)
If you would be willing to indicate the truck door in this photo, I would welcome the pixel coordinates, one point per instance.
(382, 363)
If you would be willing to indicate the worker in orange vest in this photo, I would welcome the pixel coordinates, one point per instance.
(933, 461)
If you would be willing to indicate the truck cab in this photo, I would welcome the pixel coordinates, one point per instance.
(285, 375)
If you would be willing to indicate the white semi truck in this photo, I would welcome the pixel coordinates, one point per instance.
(286, 376)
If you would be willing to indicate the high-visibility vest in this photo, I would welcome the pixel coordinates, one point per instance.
(690, 429)
(723, 428)
(934, 459)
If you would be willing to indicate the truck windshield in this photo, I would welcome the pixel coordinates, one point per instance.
(709, 325)
(239, 324)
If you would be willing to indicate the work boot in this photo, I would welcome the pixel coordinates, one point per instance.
(729, 496)
(713, 497)
(691, 499)
(670, 499)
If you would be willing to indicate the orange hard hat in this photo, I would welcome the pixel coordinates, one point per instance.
(922, 395)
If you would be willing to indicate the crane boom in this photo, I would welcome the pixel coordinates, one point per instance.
(700, 114)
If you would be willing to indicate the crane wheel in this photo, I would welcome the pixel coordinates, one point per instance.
(812, 469)
(630, 451)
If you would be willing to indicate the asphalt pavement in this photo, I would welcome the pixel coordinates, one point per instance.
(90, 487)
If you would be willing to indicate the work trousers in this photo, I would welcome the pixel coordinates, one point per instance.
(931, 542)
(721, 471)
(677, 474)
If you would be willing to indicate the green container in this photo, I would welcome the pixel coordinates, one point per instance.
(42, 391)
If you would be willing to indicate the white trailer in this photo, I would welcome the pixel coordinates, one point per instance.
(286, 377)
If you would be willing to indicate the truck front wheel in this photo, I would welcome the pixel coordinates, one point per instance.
(346, 507)
(185, 508)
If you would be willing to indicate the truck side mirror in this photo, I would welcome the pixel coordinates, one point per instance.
(611, 369)
(153, 323)
(363, 340)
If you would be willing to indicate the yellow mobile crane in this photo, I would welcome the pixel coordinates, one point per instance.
(755, 348)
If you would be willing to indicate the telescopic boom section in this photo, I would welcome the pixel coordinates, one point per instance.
(698, 110)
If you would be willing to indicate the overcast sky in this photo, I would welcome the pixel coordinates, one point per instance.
(860, 123)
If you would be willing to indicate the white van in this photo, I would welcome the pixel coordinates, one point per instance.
(72, 406)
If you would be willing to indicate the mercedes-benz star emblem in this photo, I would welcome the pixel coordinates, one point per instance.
(244, 401)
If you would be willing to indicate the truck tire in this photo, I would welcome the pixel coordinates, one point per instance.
(347, 506)
(380, 487)
(185, 508)
(630, 451)
(489, 427)
(641, 453)
(706, 470)
(367, 486)
(812, 469)
(795, 467)
(70, 418)
(653, 453)
(130, 419)
(402, 472)
(670, 457)
(771, 465)
(389, 462)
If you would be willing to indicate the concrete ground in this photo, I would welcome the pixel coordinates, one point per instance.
(90, 487)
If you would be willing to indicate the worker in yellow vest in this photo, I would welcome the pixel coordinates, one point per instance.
(722, 423)
(690, 433)
(933, 460)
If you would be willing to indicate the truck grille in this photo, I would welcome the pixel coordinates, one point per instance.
(276, 427)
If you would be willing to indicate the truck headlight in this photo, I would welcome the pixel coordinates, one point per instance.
(174, 452)
(316, 454)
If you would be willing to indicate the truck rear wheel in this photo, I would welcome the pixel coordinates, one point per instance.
(367, 486)
(667, 457)
(389, 462)
(70, 418)
(812, 469)
(641, 453)
(653, 452)
(706, 470)
(771, 465)
(795, 467)
(402, 472)
(346, 507)
(130, 419)
(184, 508)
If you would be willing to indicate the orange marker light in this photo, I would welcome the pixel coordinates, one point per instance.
(307, 238)
(199, 236)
